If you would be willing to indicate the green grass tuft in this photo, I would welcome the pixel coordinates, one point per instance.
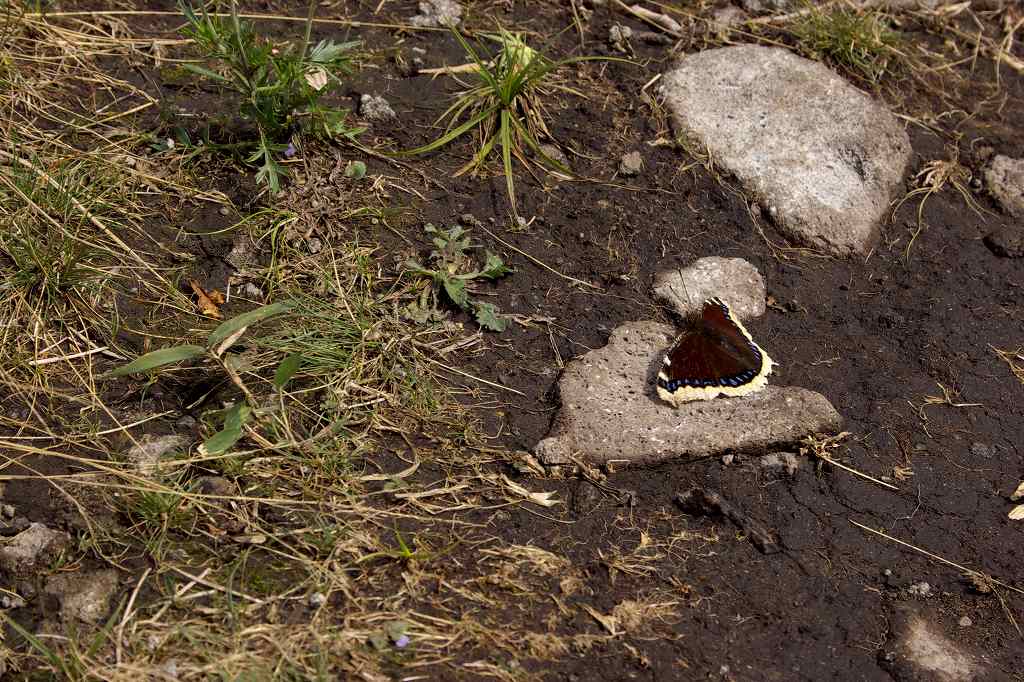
(860, 43)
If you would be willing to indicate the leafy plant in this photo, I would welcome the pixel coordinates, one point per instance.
(452, 271)
(860, 42)
(217, 344)
(280, 86)
(505, 109)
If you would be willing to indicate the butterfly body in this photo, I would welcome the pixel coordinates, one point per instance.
(714, 355)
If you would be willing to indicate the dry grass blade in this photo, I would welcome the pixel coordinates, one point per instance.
(819, 447)
(933, 177)
(1014, 360)
(963, 569)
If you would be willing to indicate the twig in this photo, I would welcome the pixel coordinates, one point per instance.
(128, 614)
(853, 471)
(536, 261)
(655, 19)
(474, 378)
(215, 586)
(73, 356)
(969, 571)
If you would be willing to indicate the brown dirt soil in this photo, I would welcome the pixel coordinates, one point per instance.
(877, 337)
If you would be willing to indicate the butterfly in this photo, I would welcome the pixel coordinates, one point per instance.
(713, 356)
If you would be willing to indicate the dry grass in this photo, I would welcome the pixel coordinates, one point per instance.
(347, 532)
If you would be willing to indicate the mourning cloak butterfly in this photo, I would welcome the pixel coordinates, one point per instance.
(713, 356)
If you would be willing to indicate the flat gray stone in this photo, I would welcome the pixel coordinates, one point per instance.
(32, 549)
(820, 156)
(733, 280)
(611, 413)
(1004, 178)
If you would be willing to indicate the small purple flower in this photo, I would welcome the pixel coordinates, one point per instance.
(290, 151)
(402, 641)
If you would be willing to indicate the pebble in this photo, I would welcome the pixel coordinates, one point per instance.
(631, 164)
(921, 590)
(982, 450)
(1007, 241)
(728, 459)
(317, 599)
(966, 622)
(438, 13)
(618, 37)
(8, 601)
(375, 108)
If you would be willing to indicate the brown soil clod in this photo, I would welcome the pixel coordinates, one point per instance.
(703, 502)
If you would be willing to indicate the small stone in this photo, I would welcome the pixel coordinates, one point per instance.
(314, 245)
(32, 549)
(728, 459)
(618, 37)
(9, 511)
(242, 254)
(1007, 241)
(733, 280)
(631, 164)
(555, 154)
(780, 464)
(966, 622)
(982, 450)
(765, 6)
(8, 601)
(170, 669)
(586, 498)
(223, 210)
(146, 454)
(317, 599)
(725, 18)
(1005, 180)
(252, 291)
(921, 590)
(216, 486)
(438, 13)
(83, 596)
(375, 108)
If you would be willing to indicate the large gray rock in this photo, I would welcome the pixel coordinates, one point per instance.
(611, 413)
(733, 280)
(822, 157)
(1004, 178)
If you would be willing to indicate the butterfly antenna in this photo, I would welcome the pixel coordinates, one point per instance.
(686, 292)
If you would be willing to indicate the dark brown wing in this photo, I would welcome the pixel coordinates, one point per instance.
(713, 351)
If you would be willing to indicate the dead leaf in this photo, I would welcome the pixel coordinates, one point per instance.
(208, 302)
(316, 78)
(1017, 513)
(609, 623)
(543, 498)
(1018, 493)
